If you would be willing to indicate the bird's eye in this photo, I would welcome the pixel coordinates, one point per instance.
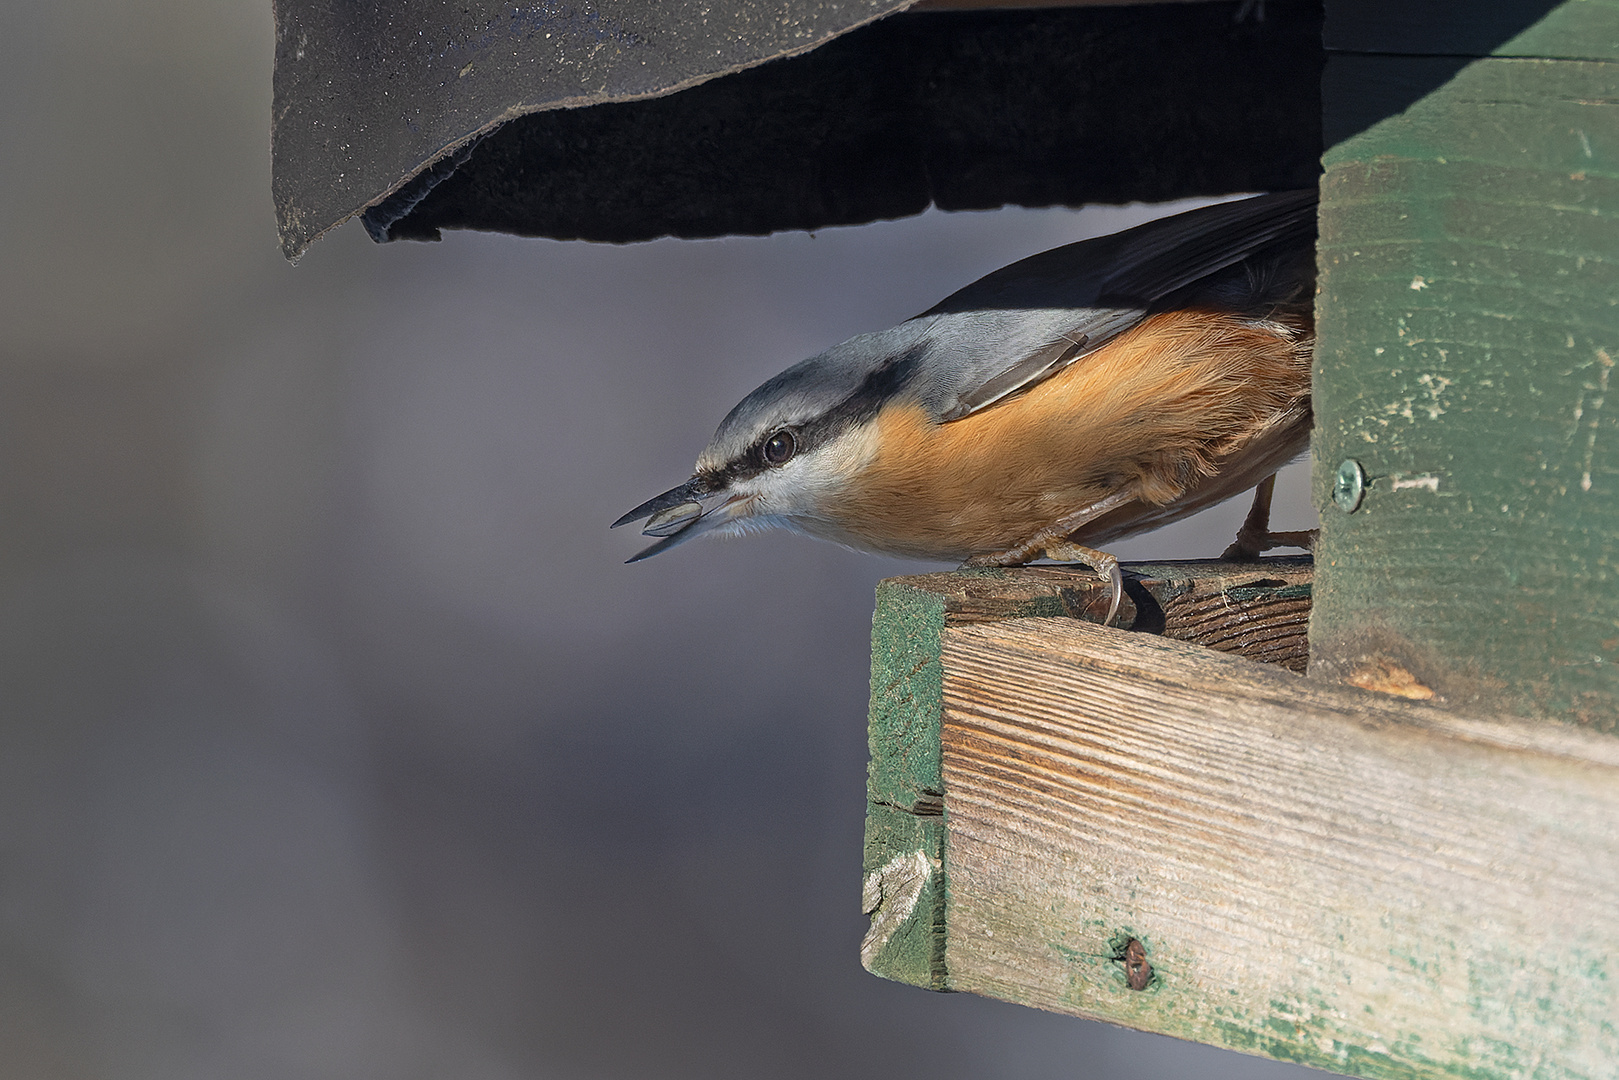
(780, 447)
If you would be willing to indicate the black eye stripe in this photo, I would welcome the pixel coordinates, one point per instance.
(877, 390)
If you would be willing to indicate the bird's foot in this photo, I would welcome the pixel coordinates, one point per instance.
(1248, 546)
(1053, 543)
(1255, 535)
(1105, 565)
(1065, 551)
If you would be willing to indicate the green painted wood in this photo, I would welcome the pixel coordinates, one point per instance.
(1525, 28)
(1576, 30)
(1316, 874)
(1468, 324)
(904, 852)
(1313, 873)
(1257, 610)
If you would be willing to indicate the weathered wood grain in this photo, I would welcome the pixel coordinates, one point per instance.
(1127, 827)
(1469, 265)
(1311, 873)
(1257, 609)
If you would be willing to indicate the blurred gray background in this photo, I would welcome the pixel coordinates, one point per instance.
(337, 741)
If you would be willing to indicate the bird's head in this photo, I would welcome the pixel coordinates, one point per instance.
(789, 449)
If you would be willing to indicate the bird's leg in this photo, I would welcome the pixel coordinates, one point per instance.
(1255, 536)
(1053, 543)
(1254, 532)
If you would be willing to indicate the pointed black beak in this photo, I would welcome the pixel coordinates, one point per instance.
(690, 491)
(674, 515)
(661, 546)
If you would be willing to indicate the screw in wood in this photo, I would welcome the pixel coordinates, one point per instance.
(1349, 486)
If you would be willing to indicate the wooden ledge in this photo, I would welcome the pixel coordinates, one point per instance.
(1138, 829)
(1260, 610)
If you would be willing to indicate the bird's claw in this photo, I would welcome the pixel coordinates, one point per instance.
(1105, 565)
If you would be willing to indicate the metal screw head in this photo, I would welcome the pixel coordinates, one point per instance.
(1349, 486)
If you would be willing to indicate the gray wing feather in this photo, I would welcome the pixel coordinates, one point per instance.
(1025, 322)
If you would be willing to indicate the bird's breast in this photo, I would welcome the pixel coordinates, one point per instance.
(1162, 410)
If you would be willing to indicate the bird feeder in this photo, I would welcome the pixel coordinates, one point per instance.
(1361, 814)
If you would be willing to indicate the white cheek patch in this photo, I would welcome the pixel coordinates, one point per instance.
(774, 491)
(805, 486)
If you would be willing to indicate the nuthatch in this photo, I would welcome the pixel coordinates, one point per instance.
(1075, 397)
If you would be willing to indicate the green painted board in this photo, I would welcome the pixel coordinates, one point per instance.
(1259, 610)
(1309, 872)
(1312, 873)
(1468, 325)
(904, 889)
(1582, 30)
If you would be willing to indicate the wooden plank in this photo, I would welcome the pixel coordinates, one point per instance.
(1258, 610)
(1467, 332)
(1310, 873)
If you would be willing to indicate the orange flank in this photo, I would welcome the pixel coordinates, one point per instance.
(1189, 403)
